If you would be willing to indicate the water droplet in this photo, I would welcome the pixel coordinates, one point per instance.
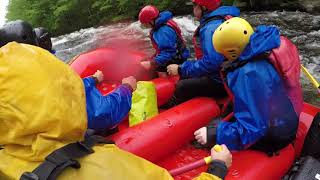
(169, 123)
(235, 173)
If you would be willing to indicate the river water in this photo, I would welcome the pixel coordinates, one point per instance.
(302, 28)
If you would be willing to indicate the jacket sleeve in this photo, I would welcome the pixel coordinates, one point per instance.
(252, 91)
(166, 39)
(89, 83)
(209, 63)
(207, 176)
(106, 111)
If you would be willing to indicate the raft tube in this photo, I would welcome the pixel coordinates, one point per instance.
(164, 139)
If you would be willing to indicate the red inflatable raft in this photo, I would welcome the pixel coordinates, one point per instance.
(165, 139)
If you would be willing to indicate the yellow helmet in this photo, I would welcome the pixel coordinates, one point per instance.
(231, 37)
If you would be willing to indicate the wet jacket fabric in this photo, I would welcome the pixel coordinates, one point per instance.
(167, 39)
(105, 112)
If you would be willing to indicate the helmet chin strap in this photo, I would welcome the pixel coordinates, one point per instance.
(203, 10)
(153, 23)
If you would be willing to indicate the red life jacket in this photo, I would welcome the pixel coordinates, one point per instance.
(286, 61)
(196, 36)
(175, 27)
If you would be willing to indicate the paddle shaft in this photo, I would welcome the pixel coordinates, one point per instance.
(194, 165)
(187, 167)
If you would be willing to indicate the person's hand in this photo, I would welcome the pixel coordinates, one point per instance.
(146, 58)
(172, 69)
(98, 75)
(146, 65)
(131, 81)
(201, 135)
(224, 155)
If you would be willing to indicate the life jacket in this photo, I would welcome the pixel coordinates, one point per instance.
(286, 61)
(181, 43)
(196, 36)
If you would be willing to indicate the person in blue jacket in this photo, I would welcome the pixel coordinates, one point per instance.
(166, 38)
(264, 117)
(106, 112)
(201, 76)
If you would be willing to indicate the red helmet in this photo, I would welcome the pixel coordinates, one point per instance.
(209, 4)
(147, 14)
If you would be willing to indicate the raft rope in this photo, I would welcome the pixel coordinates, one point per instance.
(311, 78)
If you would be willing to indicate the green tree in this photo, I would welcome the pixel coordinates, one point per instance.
(64, 16)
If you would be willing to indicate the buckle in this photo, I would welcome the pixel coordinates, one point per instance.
(29, 176)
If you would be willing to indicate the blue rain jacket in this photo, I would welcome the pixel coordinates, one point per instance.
(261, 105)
(166, 39)
(209, 64)
(106, 111)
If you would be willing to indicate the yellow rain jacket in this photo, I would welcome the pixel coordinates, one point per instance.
(207, 176)
(42, 108)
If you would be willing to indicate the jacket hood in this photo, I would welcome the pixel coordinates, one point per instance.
(222, 11)
(163, 18)
(42, 102)
(265, 38)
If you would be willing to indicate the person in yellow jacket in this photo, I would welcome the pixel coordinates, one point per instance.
(43, 110)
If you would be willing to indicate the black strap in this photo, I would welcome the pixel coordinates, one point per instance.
(207, 21)
(229, 66)
(63, 158)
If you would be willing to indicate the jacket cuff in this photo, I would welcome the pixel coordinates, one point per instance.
(128, 87)
(218, 168)
(212, 132)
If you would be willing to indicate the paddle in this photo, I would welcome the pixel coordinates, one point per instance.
(194, 165)
(311, 78)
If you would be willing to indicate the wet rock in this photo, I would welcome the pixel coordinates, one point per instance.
(312, 6)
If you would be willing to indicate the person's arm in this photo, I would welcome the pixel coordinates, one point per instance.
(108, 111)
(210, 62)
(252, 91)
(218, 168)
(166, 39)
(116, 106)
(91, 81)
(207, 176)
